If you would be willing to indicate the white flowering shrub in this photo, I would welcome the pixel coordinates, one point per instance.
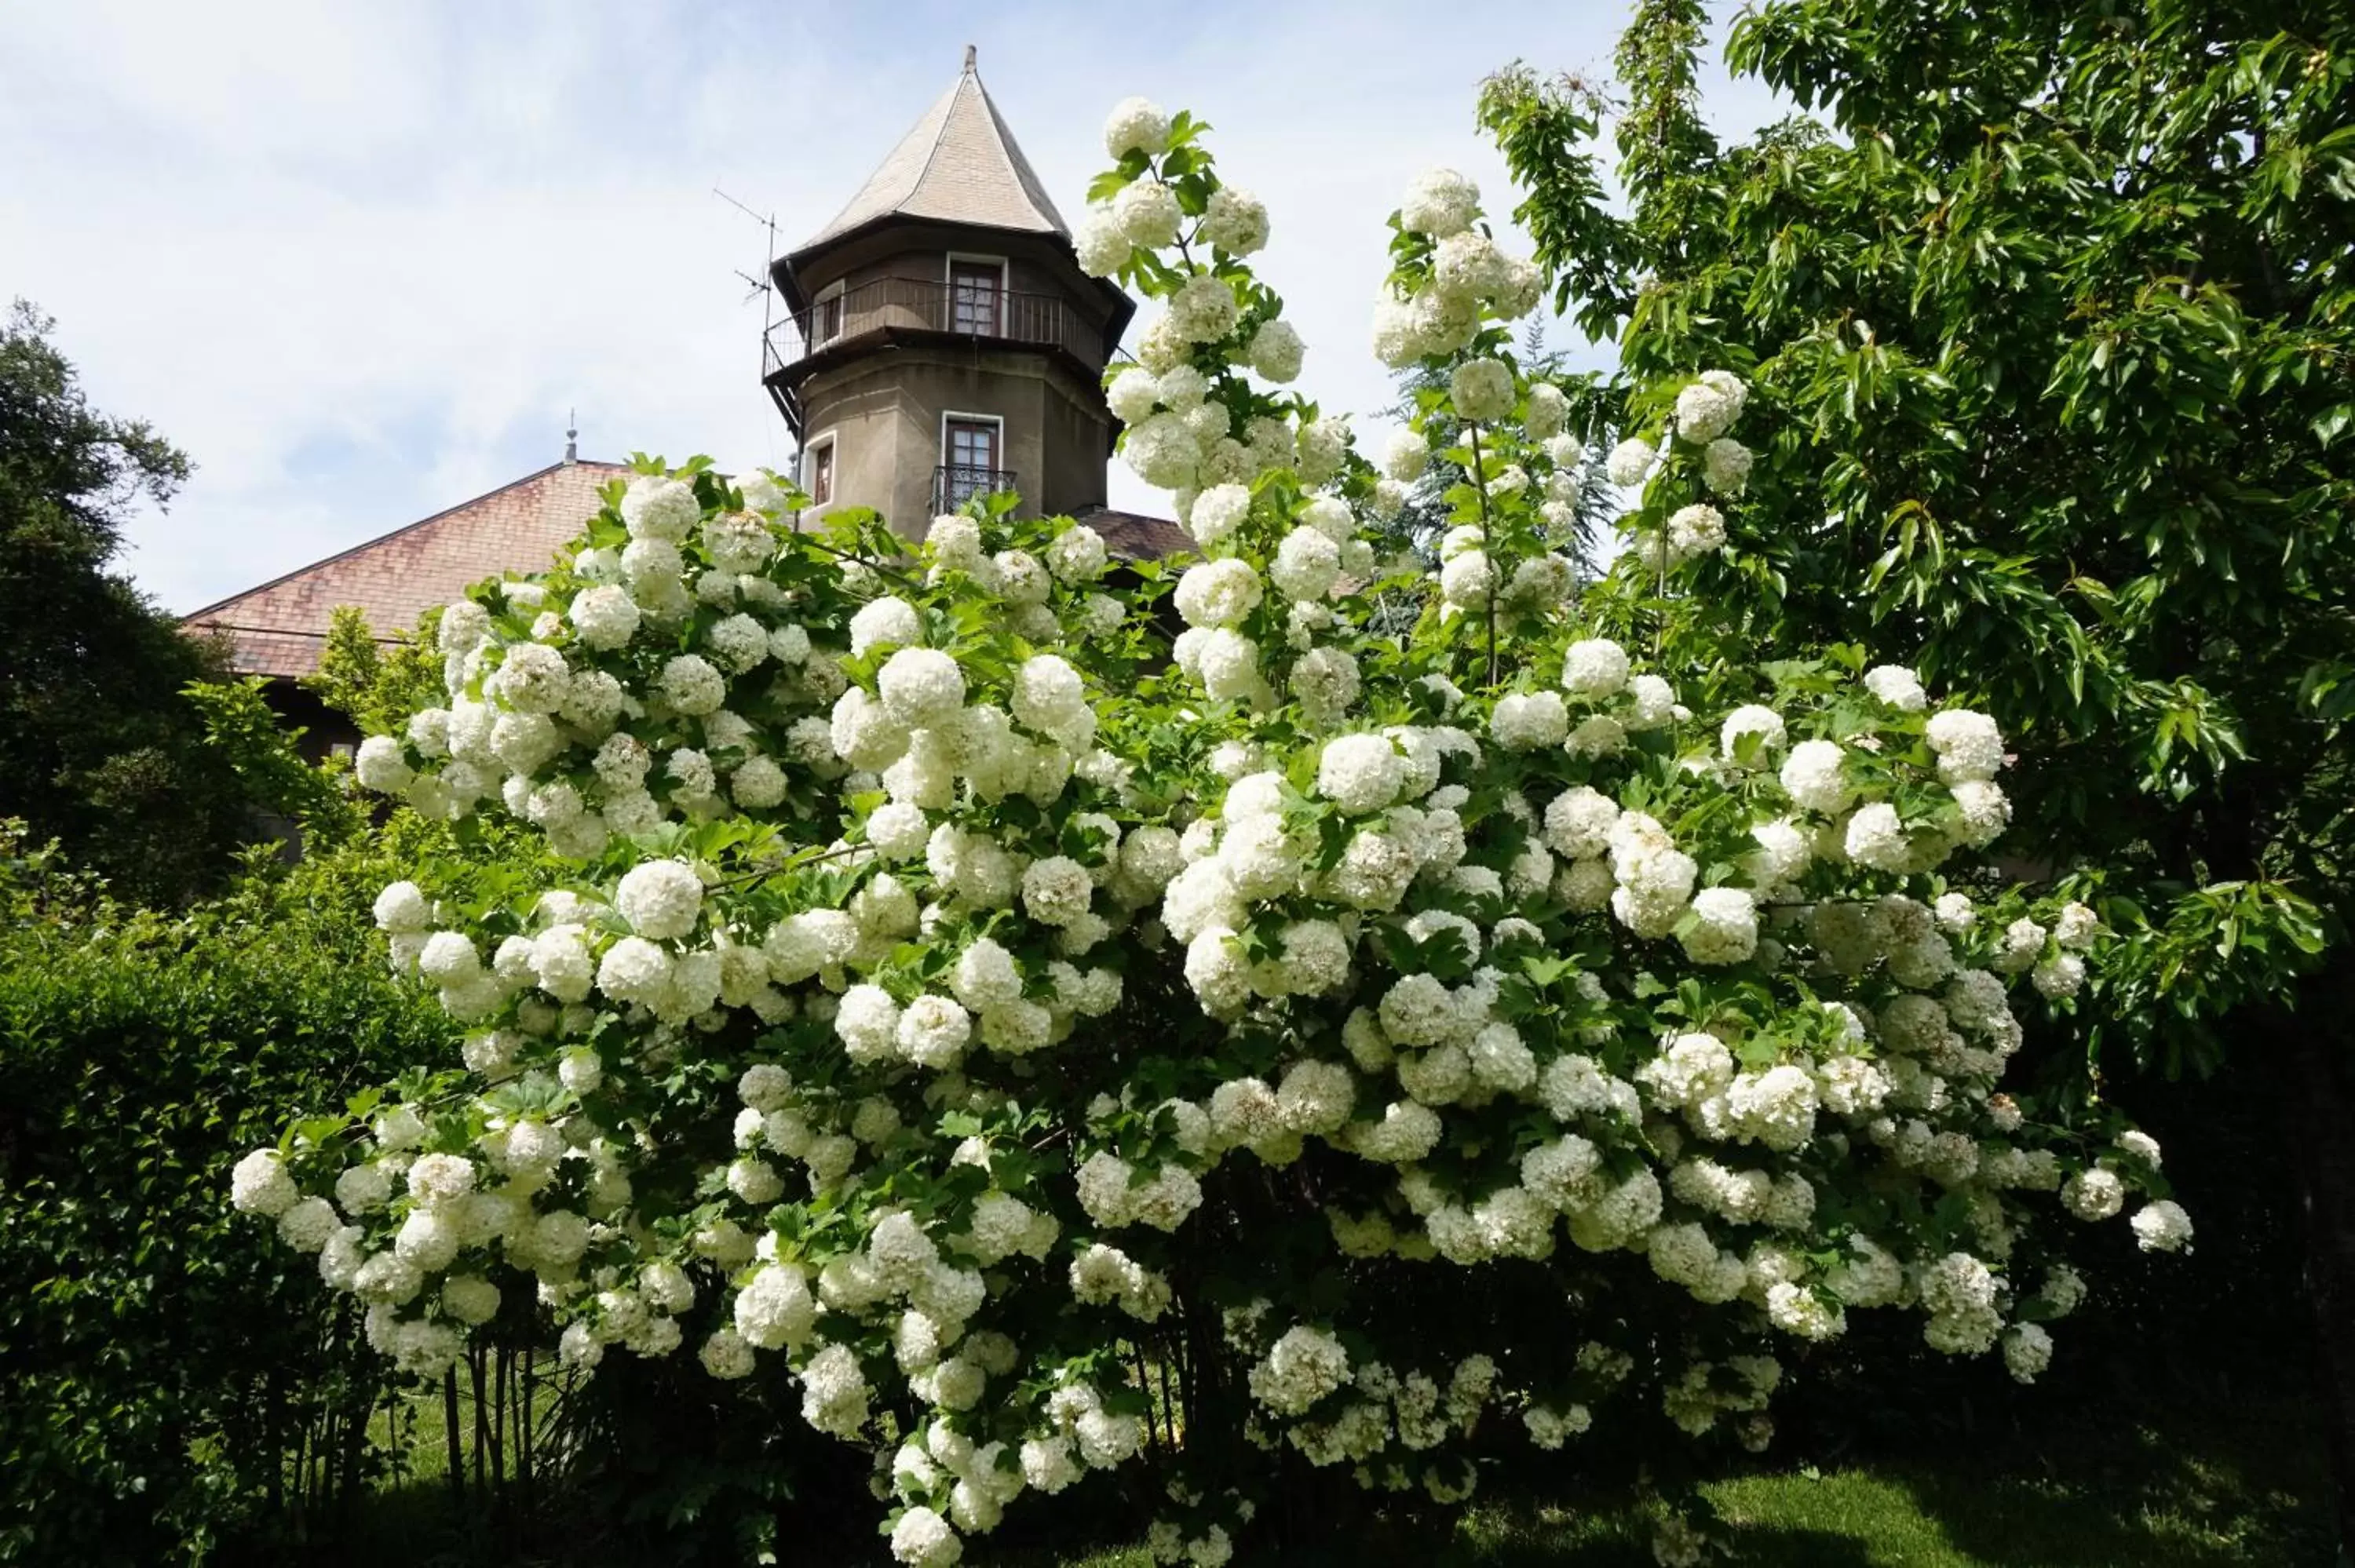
(1039, 1041)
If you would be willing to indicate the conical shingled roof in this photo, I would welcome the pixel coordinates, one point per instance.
(960, 164)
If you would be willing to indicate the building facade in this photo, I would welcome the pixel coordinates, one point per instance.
(940, 342)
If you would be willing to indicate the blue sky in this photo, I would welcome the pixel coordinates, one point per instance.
(358, 260)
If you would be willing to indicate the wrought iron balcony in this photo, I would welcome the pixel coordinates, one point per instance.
(954, 485)
(928, 305)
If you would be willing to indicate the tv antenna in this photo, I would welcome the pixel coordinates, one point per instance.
(757, 284)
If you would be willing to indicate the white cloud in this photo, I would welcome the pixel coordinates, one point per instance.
(358, 261)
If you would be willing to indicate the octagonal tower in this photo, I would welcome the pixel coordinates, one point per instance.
(941, 338)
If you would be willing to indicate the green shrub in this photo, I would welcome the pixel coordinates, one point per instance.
(174, 1381)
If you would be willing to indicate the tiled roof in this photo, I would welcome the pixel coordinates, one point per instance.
(960, 165)
(1133, 536)
(279, 628)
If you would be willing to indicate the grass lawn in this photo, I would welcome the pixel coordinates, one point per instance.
(2240, 1487)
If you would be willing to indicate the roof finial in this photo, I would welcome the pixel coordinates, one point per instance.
(572, 435)
(971, 58)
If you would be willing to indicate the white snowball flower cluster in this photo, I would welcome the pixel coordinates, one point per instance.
(1706, 408)
(1440, 203)
(604, 617)
(1750, 732)
(1594, 667)
(2162, 1227)
(1147, 215)
(1896, 685)
(660, 898)
(1406, 455)
(1968, 746)
(1630, 461)
(259, 1185)
(1469, 277)
(655, 507)
(1236, 222)
(1481, 391)
(1217, 593)
(1725, 467)
(1362, 773)
(1299, 1369)
(1137, 125)
(926, 976)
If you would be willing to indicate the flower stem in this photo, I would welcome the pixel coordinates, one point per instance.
(1495, 570)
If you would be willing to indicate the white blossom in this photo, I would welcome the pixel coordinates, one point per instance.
(2162, 1227)
(1968, 745)
(1147, 214)
(1629, 462)
(1481, 391)
(1236, 222)
(1594, 669)
(1896, 686)
(661, 899)
(1440, 203)
(1135, 126)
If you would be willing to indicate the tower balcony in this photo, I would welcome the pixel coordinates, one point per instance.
(954, 484)
(887, 310)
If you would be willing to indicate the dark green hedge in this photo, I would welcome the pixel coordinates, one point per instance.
(165, 1363)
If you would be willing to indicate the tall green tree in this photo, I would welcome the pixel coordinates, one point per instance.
(2049, 310)
(98, 746)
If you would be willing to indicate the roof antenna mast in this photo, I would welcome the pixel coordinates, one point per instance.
(757, 283)
(572, 435)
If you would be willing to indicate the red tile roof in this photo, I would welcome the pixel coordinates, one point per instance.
(1132, 536)
(279, 628)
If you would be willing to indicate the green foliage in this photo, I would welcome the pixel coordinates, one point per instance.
(98, 747)
(242, 727)
(377, 685)
(348, 662)
(2056, 331)
(2051, 321)
(162, 1361)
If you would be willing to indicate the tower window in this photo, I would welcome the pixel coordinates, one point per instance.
(826, 317)
(817, 471)
(976, 304)
(973, 444)
(972, 448)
